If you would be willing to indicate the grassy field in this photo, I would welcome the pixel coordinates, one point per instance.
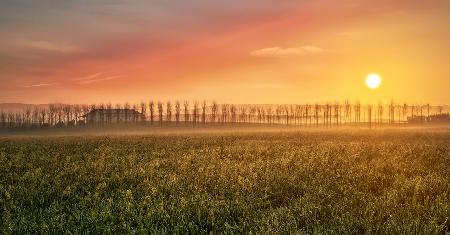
(389, 182)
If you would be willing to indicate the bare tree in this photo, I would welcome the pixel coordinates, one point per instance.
(347, 111)
(27, 116)
(52, 111)
(326, 113)
(298, 113)
(412, 110)
(252, 113)
(337, 112)
(261, 114)
(421, 113)
(316, 114)
(404, 111)
(85, 109)
(76, 112)
(440, 108)
(308, 114)
(101, 107)
(67, 109)
(380, 113)
(118, 112)
(392, 112)
(109, 113)
(286, 114)
(177, 111)
(151, 107)
(204, 112)
(291, 113)
(35, 116)
(93, 107)
(330, 114)
(2, 119)
(214, 109)
(269, 115)
(42, 116)
(224, 113)
(19, 120)
(195, 112)
(169, 111)
(135, 110)
(186, 112)
(278, 113)
(11, 120)
(144, 110)
(243, 114)
(60, 114)
(160, 112)
(233, 113)
(357, 108)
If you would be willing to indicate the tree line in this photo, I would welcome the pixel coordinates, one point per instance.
(196, 113)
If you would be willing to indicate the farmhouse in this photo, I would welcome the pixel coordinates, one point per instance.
(113, 116)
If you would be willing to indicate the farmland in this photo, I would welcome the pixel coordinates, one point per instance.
(346, 181)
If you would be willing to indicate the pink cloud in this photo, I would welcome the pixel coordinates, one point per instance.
(280, 52)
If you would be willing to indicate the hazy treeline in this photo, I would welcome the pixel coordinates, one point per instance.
(327, 114)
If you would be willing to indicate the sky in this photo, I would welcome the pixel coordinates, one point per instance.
(253, 51)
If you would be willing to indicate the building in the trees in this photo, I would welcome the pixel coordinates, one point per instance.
(113, 116)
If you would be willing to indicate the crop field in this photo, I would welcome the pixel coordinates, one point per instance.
(382, 182)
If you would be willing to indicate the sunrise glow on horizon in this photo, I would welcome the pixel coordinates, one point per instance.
(264, 52)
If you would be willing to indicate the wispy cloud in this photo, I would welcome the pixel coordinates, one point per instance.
(39, 85)
(96, 77)
(89, 77)
(49, 46)
(279, 52)
(100, 79)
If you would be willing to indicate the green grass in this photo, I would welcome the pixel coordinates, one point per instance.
(388, 182)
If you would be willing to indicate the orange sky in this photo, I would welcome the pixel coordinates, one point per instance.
(263, 51)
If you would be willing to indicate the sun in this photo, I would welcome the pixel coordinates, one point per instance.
(373, 81)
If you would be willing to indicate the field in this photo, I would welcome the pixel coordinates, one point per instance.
(362, 181)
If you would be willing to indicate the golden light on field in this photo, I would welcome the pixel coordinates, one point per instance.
(373, 81)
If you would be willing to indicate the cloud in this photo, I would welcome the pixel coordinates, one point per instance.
(40, 85)
(92, 78)
(89, 77)
(279, 52)
(101, 79)
(49, 46)
(96, 77)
